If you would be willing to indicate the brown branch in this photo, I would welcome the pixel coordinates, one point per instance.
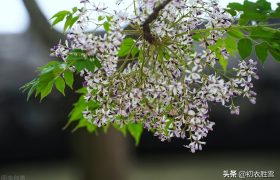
(146, 25)
(40, 24)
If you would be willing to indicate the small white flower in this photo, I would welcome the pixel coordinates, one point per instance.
(170, 95)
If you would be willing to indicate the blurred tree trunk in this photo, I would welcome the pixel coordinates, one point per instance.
(103, 156)
(40, 25)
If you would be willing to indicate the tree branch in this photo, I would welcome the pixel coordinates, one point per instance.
(146, 25)
(40, 24)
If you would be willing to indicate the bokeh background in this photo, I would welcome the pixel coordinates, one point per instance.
(33, 144)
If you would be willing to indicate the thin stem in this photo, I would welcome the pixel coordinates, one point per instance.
(134, 3)
(229, 28)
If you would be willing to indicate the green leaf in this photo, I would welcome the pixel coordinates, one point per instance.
(57, 20)
(109, 18)
(46, 90)
(67, 23)
(60, 85)
(141, 56)
(235, 33)
(84, 123)
(127, 47)
(259, 11)
(84, 64)
(223, 62)
(262, 52)
(231, 11)
(32, 89)
(60, 14)
(122, 129)
(77, 51)
(52, 66)
(69, 78)
(253, 16)
(31, 86)
(235, 6)
(231, 45)
(80, 106)
(100, 18)
(75, 57)
(263, 6)
(265, 33)
(197, 37)
(136, 131)
(77, 111)
(97, 63)
(106, 26)
(275, 53)
(249, 6)
(47, 76)
(134, 51)
(91, 128)
(74, 9)
(92, 105)
(244, 47)
(243, 20)
(44, 82)
(70, 21)
(81, 61)
(82, 90)
(73, 21)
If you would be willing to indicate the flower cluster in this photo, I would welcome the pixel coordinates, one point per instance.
(168, 85)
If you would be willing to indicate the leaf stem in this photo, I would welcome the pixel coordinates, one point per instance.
(229, 28)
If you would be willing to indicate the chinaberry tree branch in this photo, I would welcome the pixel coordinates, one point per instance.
(146, 25)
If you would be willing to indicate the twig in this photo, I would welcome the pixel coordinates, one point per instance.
(146, 25)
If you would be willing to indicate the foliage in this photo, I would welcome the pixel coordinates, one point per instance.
(103, 59)
(69, 17)
(255, 29)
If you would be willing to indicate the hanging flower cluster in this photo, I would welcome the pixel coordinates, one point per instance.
(169, 73)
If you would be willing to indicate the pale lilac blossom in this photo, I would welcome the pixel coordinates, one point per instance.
(170, 98)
